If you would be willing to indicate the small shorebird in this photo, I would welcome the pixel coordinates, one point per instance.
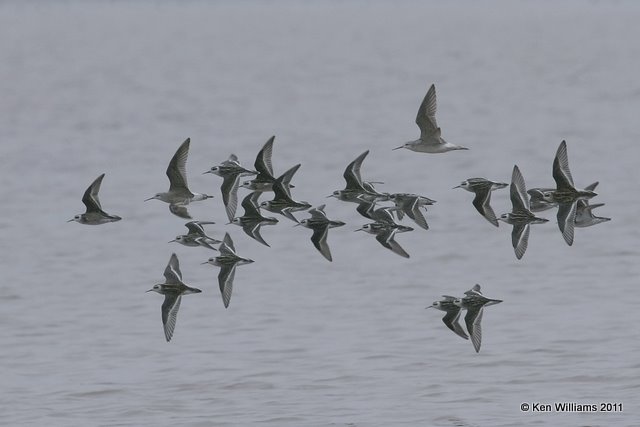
(179, 195)
(197, 236)
(282, 202)
(430, 140)
(537, 203)
(320, 225)
(482, 188)
(230, 170)
(384, 228)
(94, 215)
(452, 315)
(252, 219)
(585, 216)
(584, 211)
(227, 261)
(382, 214)
(410, 204)
(520, 216)
(385, 235)
(173, 288)
(474, 302)
(565, 194)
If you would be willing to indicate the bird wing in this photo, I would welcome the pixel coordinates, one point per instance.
(520, 239)
(318, 213)
(287, 213)
(90, 197)
(253, 231)
(229, 189)
(319, 240)
(263, 161)
(561, 172)
(202, 241)
(592, 186)
(473, 319)
(228, 245)
(474, 291)
(365, 208)
(386, 239)
(426, 118)
(225, 280)
(195, 227)
(172, 272)
(517, 191)
(280, 190)
(250, 205)
(383, 215)
(352, 173)
(482, 203)
(416, 215)
(566, 220)
(170, 308)
(451, 320)
(180, 211)
(177, 169)
(288, 176)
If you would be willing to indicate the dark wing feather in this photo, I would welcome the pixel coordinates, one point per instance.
(318, 213)
(386, 239)
(451, 320)
(482, 203)
(383, 215)
(561, 172)
(170, 308)
(225, 281)
(172, 272)
(253, 231)
(229, 189)
(426, 118)
(566, 220)
(280, 191)
(475, 290)
(416, 215)
(90, 197)
(518, 192)
(263, 161)
(365, 208)
(520, 239)
(592, 186)
(319, 240)
(229, 243)
(177, 169)
(250, 205)
(288, 176)
(352, 173)
(195, 227)
(473, 319)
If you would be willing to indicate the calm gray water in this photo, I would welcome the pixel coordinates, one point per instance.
(115, 87)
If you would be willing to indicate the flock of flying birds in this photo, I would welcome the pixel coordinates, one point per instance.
(572, 203)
